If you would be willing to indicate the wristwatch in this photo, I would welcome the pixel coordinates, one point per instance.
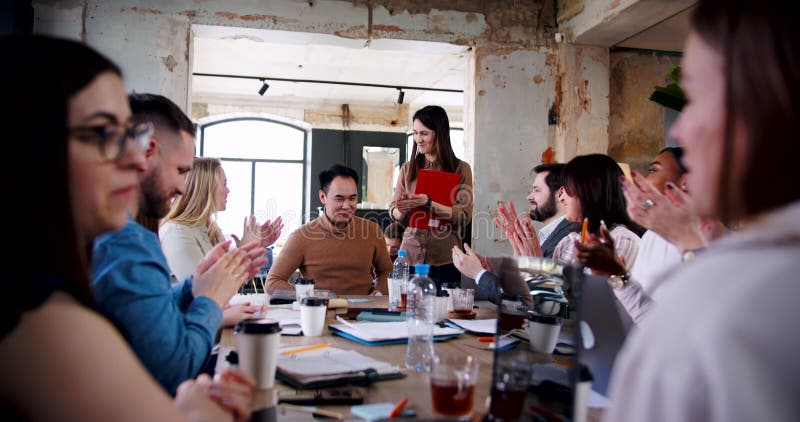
(619, 281)
(428, 204)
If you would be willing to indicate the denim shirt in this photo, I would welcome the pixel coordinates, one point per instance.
(170, 331)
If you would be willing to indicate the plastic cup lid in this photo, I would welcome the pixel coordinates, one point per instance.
(544, 319)
(313, 301)
(258, 326)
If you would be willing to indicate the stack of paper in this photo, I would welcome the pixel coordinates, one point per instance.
(288, 319)
(382, 333)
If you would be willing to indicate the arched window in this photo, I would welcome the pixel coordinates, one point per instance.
(265, 159)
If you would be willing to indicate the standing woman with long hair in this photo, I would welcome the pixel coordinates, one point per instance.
(722, 344)
(432, 150)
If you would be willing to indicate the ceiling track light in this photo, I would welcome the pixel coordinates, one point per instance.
(264, 87)
(400, 96)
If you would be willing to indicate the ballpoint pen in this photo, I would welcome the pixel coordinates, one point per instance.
(314, 411)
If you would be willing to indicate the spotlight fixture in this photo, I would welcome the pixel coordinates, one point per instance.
(400, 96)
(263, 88)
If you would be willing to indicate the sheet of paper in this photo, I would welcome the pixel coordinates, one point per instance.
(598, 401)
(329, 361)
(483, 326)
(381, 331)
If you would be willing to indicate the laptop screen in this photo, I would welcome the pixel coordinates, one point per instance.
(528, 383)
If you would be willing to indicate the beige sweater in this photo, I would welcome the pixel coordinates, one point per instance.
(337, 260)
(436, 248)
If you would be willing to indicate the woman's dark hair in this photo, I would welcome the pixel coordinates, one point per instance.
(435, 119)
(35, 92)
(594, 180)
(760, 46)
(677, 154)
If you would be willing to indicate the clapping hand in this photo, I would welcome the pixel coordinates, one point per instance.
(408, 202)
(265, 234)
(600, 254)
(668, 215)
(467, 262)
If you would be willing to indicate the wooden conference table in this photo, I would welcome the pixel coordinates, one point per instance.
(416, 386)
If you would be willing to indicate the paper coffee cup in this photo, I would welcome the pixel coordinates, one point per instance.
(312, 316)
(543, 332)
(257, 343)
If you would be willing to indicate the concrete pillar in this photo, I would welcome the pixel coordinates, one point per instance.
(582, 101)
(513, 93)
(151, 48)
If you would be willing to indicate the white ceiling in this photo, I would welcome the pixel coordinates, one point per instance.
(295, 55)
(668, 35)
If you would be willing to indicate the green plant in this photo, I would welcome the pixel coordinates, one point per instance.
(670, 96)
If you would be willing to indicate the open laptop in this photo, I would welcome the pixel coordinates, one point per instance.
(550, 391)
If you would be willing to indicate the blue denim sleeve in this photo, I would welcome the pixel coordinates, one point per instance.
(182, 294)
(131, 284)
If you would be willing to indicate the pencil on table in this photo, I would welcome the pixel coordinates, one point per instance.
(305, 349)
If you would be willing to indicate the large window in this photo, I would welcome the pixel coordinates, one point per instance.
(265, 161)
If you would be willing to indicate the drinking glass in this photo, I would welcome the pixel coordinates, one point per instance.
(453, 379)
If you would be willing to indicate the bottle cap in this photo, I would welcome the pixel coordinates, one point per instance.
(402, 252)
(304, 281)
(422, 269)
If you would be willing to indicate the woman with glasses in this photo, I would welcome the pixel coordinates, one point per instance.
(432, 150)
(190, 231)
(71, 140)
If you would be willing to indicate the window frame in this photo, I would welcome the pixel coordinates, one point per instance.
(303, 127)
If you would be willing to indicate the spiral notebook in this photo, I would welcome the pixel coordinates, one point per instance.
(330, 366)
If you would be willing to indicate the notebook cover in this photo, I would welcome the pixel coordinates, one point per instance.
(336, 331)
(441, 187)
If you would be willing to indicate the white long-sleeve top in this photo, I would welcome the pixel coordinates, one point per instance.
(626, 244)
(184, 247)
(722, 343)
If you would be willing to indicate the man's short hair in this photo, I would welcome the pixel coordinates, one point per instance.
(336, 170)
(162, 112)
(394, 231)
(554, 179)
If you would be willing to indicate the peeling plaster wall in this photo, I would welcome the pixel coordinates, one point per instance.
(576, 17)
(582, 94)
(636, 124)
(518, 84)
(514, 70)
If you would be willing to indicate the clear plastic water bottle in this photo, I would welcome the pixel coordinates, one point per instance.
(398, 279)
(421, 299)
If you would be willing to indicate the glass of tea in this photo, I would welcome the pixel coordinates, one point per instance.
(463, 299)
(453, 379)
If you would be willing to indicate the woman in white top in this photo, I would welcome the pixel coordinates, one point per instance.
(592, 190)
(189, 231)
(721, 344)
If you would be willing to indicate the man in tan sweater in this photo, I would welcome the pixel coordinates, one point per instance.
(336, 250)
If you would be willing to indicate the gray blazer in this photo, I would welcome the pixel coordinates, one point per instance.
(563, 228)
